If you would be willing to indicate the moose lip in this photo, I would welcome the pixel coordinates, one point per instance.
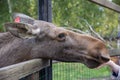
(92, 64)
(89, 61)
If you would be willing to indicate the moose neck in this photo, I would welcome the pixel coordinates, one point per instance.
(14, 50)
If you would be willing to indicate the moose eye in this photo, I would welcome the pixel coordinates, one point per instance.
(61, 37)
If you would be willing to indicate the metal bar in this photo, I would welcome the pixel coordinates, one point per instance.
(45, 13)
(107, 4)
(45, 10)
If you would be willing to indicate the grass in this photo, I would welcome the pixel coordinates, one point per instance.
(76, 71)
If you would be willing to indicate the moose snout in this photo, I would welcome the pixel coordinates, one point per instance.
(95, 62)
(104, 58)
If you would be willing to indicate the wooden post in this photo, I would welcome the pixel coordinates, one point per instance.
(107, 4)
(18, 71)
(118, 41)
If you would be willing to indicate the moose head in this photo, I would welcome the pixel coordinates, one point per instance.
(40, 39)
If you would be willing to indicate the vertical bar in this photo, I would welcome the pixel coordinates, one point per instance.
(45, 10)
(118, 41)
(45, 13)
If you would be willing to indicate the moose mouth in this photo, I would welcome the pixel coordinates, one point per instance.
(82, 57)
(92, 63)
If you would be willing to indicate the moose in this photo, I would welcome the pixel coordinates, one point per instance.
(30, 39)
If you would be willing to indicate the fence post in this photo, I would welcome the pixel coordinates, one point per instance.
(45, 13)
(118, 36)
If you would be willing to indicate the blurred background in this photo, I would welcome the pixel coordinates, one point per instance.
(79, 15)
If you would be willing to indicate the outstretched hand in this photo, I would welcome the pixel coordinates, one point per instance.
(113, 66)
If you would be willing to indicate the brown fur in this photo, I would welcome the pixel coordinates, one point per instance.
(49, 44)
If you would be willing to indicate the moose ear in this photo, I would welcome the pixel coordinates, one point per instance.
(22, 18)
(19, 29)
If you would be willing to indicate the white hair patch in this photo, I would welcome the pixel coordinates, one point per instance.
(36, 31)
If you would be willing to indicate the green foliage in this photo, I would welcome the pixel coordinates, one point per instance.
(116, 1)
(71, 13)
(4, 14)
(28, 7)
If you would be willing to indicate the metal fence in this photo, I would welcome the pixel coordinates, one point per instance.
(77, 71)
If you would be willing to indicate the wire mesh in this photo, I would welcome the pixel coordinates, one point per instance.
(77, 71)
(70, 13)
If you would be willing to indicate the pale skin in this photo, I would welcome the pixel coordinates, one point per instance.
(113, 66)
